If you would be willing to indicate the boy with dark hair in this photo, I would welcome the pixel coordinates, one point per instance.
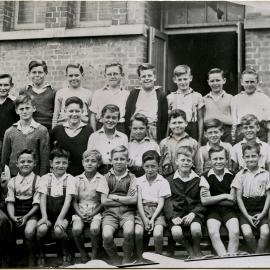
(140, 98)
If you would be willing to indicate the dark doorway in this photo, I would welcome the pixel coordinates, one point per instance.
(203, 52)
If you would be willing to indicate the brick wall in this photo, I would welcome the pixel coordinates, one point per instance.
(92, 53)
(6, 15)
(257, 55)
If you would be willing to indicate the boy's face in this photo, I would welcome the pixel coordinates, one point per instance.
(147, 79)
(74, 77)
(37, 75)
(5, 87)
(119, 161)
(90, 164)
(138, 130)
(73, 113)
(250, 131)
(213, 135)
(184, 163)
(151, 168)
(218, 160)
(182, 81)
(25, 111)
(216, 82)
(59, 165)
(110, 119)
(26, 164)
(251, 158)
(113, 76)
(177, 125)
(249, 82)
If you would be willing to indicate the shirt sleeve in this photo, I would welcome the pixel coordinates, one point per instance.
(237, 181)
(204, 183)
(91, 142)
(165, 190)
(11, 191)
(125, 140)
(132, 191)
(200, 101)
(102, 186)
(7, 172)
(94, 104)
(233, 154)
(71, 186)
(36, 197)
(43, 184)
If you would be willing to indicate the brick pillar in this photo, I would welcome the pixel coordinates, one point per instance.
(6, 15)
(60, 14)
(119, 12)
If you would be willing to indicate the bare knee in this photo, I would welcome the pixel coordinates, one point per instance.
(247, 232)
(264, 232)
(77, 231)
(158, 232)
(107, 236)
(59, 233)
(42, 231)
(177, 234)
(196, 230)
(30, 232)
(95, 231)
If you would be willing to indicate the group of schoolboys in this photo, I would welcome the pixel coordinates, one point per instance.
(123, 184)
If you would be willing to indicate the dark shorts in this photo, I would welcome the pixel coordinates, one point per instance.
(222, 214)
(187, 228)
(243, 221)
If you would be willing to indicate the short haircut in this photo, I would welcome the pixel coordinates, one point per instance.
(251, 146)
(4, 76)
(181, 69)
(212, 123)
(177, 113)
(78, 66)
(59, 152)
(216, 70)
(120, 149)
(185, 150)
(217, 149)
(139, 117)
(26, 151)
(248, 119)
(74, 100)
(145, 66)
(22, 99)
(38, 63)
(250, 71)
(150, 155)
(94, 153)
(111, 108)
(114, 64)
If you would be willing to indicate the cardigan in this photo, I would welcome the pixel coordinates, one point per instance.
(162, 113)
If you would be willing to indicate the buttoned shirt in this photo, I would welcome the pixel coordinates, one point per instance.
(147, 104)
(33, 125)
(219, 108)
(189, 102)
(136, 149)
(257, 103)
(21, 187)
(101, 142)
(237, 153)
(105, 96)
(57, 184)
(204, 183)
(151, 191)
(72, 132)
(86, 190)
(252, 184)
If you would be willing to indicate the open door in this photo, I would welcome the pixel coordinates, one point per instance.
(157, 54)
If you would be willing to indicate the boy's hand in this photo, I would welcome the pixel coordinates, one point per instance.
(151, 225)
(4, 180)
(251, 220)
(113, 197)
(229, 197)
(257, 219)
(22, 221)
(44, 220)
(177, 221)
(146, 224)
(186, 220)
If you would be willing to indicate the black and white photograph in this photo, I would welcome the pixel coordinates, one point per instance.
(134, 134)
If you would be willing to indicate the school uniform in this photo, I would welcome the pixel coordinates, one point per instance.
(253, 187)
(117, 216)
(56, 191)
(87, 196)
(189, 102)
(237, 153)
(150, 197)
(185, 198)
(218, 185)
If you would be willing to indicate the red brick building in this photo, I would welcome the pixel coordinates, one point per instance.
(229, 35)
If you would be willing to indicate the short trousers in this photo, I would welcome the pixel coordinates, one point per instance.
(96, 219)
(222, 214)
(117, 216)
(149, 210)
(243, 220)
(187, 228)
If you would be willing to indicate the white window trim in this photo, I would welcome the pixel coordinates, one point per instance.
(25, 26)
(89, 23)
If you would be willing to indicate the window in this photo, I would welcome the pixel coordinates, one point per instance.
(30, 14)
(94, 13)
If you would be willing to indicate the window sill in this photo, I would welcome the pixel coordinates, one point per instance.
(113, 30)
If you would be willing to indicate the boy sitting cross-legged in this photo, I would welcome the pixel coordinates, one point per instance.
(219, 198)
(118, 197)
(153, 189)
(252, 185)
(184, 209)
(87, 204)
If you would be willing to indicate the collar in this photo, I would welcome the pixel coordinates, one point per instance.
(106, 88)
(185, 135)
(211, 172)
(154, 89)
(46, 84)
(189, 91)
(158, 178)
(208, 145)
(210, 94)
(20, 178)
(145, 139)
(66, 125)
(62, 178)
(102, 131)
(258, 141)
(84, 178)
(33, 124)
(192, 175)
(256, 91)
(260, 170)
(123, 176)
